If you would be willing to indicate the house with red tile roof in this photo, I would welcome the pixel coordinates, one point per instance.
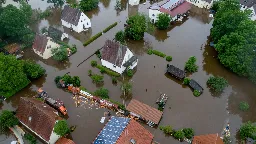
(173, 8)
(117, 57)
(43, 46)
(64, 141)
(207, 139)
(39, 118)
(143, 111)
(121, 130)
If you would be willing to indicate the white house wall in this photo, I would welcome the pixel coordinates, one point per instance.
(54, 137)
(201, 4)
(48, 50)
(153, 15)
(81, 24)
(109, 65)
(134, 2)
(127, 56)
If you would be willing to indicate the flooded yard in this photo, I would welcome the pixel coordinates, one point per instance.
(206, 114)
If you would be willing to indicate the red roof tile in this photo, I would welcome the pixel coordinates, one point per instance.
(181, 9)
(145, 111)
(64, 141)
(207, 139)
(137, 132)
(38, 116)
(113, 52)
(40, 43)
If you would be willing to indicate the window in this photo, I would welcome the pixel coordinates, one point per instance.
(114, 66)
(81, 21)
(87, 24)
(153, 14)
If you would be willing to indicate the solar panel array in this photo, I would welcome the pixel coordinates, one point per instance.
(112, 130)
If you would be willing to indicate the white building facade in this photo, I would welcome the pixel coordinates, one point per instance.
(134, 2)
(201, 3)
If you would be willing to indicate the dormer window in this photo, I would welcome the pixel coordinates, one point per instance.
(133, 141)
(29, 119)
(153, 14)
(114, 66)
(48, 46)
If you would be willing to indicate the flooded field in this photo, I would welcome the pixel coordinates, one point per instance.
(205, 114)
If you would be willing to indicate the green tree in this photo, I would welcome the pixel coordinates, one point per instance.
(120, 36)
(102, 92)
(56, 3)
(12, 76)
(186, 80)
(30, 138)
(163, 21)
(7, 119)
(166, 129)
(247, 130)
(60, 54)
(179, 135)
(61, 128)
(217, 84)
(188, 132)
(136, 27)
(244, 106)
(190, 65)
(76, 81)
(126, 88)
(33, 70)
(97, 78)
(87, 5)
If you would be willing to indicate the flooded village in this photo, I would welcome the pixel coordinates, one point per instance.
(157, 95)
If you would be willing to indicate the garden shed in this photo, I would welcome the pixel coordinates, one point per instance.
(146, 112)
(195, 86)
(176, 72)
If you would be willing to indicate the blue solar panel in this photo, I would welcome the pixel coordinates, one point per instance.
(112, 130)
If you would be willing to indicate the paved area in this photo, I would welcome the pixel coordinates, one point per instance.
(18, 132)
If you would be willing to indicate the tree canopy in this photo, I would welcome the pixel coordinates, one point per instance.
(136, 27)
(234, 35)
(163, 21)
(7, 119)
(15, 74)
(61, 128)
(247, 130)
(87, 5)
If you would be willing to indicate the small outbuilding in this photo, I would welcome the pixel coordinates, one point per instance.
(176, 72)
(195, 86)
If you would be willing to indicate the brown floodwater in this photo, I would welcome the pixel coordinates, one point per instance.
(205, 114)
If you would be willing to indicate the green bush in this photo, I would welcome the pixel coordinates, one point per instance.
(129, 73)
(120, 36)
(83, 88)
(73, 49)
(169, 58)
(150, 51)
(137, 26)
(92, 38)
(163, 21)
(109, 27)
(57, 79)
(87, 5)
(186, 80)
(244, 106)
(97, 78)
(33, 70)
(76, 81)
(7, 119)
(247, 130)
(158, 53)
(108, 71)
(89, 72)
(114, 79)
(93, 63)
(196, 93)
(166, 129)
(102, 92)
(190, 65)
(98, 54)
(30, 138)
(67, 79)
(179, 135)
(61, 128)
(102, 70)
(217, 84)
(188, 132)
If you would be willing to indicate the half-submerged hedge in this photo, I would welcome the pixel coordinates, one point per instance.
(109, 27)
(99, 34)
(155, 52)
(107, 71)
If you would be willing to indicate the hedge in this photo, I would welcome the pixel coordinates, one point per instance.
(108, 71)
(158, 53)
(93, 38)
(121, 106)
(109, 27)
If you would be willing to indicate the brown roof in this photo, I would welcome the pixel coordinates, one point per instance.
(71, 15)
(12, 48)
(64, 141)
(113, 52)
(207, 139)
(137, 132)
(42, 117)
(145, 111)
(40, 43)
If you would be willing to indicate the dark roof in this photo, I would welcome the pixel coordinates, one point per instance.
(71, 15)
(195, 86)
(12, 48)
(114, 52)
(181, 9)
(176, 71)
(130, 61)
(136, 132)
(145, 111)
(112, 130)
(207, 139)
(54, 33)
(40, 43)
(42, 117)
(64, 141)
(121, 130)
(248, 3)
